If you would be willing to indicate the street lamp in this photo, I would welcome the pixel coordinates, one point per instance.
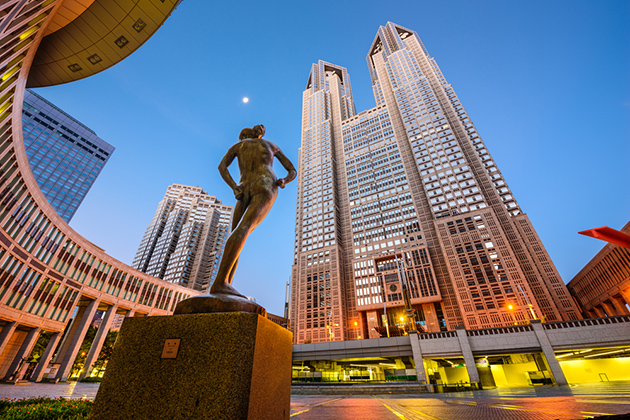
(329, 326)
(331, 333)
(356, 324)
(384, 304)
(510, 308)
(531, 307)
(402, 320)
(411, 313)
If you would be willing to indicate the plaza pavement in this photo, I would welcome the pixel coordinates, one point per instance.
(533, 403)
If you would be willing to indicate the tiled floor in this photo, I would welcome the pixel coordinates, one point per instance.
(537, 403)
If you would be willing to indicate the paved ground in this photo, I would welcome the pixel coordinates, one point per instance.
(537, 403)
(66, 390)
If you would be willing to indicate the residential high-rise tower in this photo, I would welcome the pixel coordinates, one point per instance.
(65, 156)
(402, 207)
(185, 240)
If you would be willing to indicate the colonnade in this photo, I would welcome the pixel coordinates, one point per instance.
(618, 304)
(549, 358)
(18, 340)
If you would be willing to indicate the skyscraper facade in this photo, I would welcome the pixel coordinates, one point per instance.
(65, 156)
(185, 240)
(402, 206)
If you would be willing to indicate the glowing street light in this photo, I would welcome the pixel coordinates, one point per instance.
(511, 310)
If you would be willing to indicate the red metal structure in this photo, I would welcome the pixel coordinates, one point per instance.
(609, 235)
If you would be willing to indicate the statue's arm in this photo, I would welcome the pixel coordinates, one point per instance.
(225, 173)
(292, 173)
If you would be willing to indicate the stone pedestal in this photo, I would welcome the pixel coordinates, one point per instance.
(226, 366)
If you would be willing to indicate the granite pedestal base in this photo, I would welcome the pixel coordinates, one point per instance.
(227, 366)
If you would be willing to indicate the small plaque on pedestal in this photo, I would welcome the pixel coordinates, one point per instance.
(171, 346)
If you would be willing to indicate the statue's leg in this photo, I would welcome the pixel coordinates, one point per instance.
(239, 210)
(231, 275)
(259, 206)
(226, 269)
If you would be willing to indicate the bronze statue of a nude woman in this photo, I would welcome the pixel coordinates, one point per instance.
(255, 194)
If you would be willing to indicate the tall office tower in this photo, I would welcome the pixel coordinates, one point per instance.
(401, 206)
(185, 240)
(65, 156)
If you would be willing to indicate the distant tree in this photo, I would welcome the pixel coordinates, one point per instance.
(83, 351)
(40, 347)
(106, 351)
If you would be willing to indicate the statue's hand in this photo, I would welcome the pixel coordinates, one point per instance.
(281, 183)
(238, 192)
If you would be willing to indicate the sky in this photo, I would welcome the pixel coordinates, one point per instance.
(546, 83)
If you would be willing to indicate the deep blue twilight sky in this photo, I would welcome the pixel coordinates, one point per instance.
(547, 84)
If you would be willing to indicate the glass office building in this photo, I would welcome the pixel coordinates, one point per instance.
(65, 156)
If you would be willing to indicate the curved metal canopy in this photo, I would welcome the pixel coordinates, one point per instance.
(88, 36)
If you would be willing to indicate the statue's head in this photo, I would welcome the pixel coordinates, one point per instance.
(247, 133)
(259, 130)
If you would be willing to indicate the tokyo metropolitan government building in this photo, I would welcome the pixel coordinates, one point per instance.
(402, 206)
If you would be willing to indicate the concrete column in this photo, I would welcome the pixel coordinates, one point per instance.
(74, 338)
(418, 360)
(550, 356)
(23, 353)
(38, 375)
(70, 330)
(599, 311)
(620, 305)
(464, 344)
(611, 309)
(97, 344)
(5, 335)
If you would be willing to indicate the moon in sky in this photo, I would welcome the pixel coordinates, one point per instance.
(245, 100)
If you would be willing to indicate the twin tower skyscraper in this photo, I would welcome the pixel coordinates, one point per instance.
(402, 206)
